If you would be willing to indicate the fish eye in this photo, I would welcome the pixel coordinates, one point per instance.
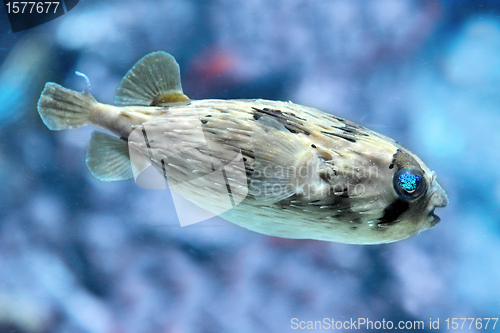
(409, 184)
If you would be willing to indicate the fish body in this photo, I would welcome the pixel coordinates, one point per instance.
(303, 174)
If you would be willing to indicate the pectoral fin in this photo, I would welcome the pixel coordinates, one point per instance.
(153, 81)
(277, 153)
(108, 158)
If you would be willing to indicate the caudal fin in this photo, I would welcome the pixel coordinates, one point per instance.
(62, 108)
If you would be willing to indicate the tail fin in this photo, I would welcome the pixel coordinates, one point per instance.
(62, 108)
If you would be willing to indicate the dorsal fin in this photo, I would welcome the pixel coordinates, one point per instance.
(153, 81)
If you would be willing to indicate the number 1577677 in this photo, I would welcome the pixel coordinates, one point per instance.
(40, 7)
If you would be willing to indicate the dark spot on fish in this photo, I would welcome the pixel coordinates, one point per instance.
(348, 130)
(248, 153)
(357, 221)
(145, 136)
(293, 115)
(340, 136)
(208, 116)
(393, 161)
(204, 121)
(351, 129)
(244, 159)
(290, 122)
(393, 211)
(345, 193)
(353, 227)
(341, 193)
(299, 130)
(314, 146)
(326, 174)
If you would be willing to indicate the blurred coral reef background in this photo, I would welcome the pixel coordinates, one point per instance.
(77, 255)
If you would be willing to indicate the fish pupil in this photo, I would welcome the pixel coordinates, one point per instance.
(409, 182)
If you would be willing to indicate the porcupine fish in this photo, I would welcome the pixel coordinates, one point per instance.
(304, 174)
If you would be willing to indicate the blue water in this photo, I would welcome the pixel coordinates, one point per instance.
(77, 255)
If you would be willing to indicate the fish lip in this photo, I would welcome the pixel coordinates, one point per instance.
(435, 219)
(437, 199)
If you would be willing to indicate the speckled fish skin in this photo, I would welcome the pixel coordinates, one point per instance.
(347, 194)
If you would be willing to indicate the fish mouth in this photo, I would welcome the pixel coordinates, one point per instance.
(434, 218)
(438, 199)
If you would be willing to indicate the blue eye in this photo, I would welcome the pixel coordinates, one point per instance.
(409, 184)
